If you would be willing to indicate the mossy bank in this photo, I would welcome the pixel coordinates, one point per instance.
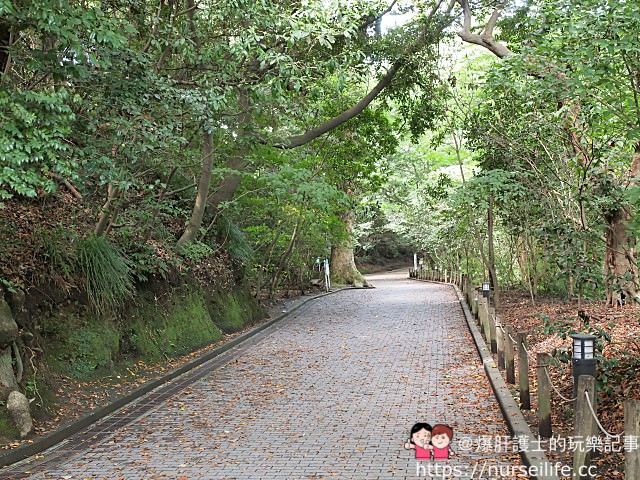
(152, 328)
(88, 348)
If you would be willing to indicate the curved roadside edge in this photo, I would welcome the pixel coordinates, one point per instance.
(40, 445)
(536, 461)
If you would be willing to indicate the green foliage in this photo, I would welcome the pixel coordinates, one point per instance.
(608, 374)
(31, 389)
(33, 126)
(106, 272)
(60, 251)
(196, 251)
(145, 263)
(234, 240)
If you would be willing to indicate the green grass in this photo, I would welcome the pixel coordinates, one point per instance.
(106, 272)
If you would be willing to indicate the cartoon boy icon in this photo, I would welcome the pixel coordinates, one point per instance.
(441, 437)
(419, 440)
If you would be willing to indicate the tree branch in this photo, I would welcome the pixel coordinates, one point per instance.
(491, 23)
(299, 140)
(385, 81)
(485, 38)
(372, 19)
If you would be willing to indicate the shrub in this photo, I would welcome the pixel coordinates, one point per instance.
(106, 272)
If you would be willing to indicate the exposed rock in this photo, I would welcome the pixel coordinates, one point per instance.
(8, 326)
(18, 407)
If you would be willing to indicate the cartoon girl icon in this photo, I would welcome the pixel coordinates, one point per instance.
(419, 439)
(441, 437)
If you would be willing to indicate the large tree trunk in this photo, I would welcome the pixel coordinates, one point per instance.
(200, 204)
(620, 266)
(343, 264)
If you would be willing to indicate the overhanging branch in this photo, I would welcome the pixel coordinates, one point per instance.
(385, 81)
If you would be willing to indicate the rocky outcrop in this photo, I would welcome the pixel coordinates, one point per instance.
(17, 403)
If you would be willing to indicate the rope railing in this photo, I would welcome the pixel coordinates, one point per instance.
(595, 417)
(555, 389)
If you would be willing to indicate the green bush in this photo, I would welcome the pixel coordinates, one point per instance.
(59, 250)
(106, 272)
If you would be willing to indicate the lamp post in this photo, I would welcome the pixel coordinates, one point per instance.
(486, 291)
(584, 360)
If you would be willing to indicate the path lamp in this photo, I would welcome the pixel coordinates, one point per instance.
(584, 360)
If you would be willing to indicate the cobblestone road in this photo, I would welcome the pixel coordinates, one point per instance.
(331, 392)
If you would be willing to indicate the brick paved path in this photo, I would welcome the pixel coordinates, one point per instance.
(331, 392)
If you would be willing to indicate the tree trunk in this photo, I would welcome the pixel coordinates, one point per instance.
(284, 259)
(620, 266)
(200, 204)
(231, 181)
(343, 264)
(6, 39)
(491, 265)
(526, 267)
(237, 162)
(106, 211)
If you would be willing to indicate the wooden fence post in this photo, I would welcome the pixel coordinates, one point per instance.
(632, 429)
(544, 397)
(474, 305)
(509, 355)
(492, 329)
(500, 341)
(487, 321)
(523, 371)
(482, 317)
(584, 426)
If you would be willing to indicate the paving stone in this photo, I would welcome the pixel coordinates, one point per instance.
(330, 392)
